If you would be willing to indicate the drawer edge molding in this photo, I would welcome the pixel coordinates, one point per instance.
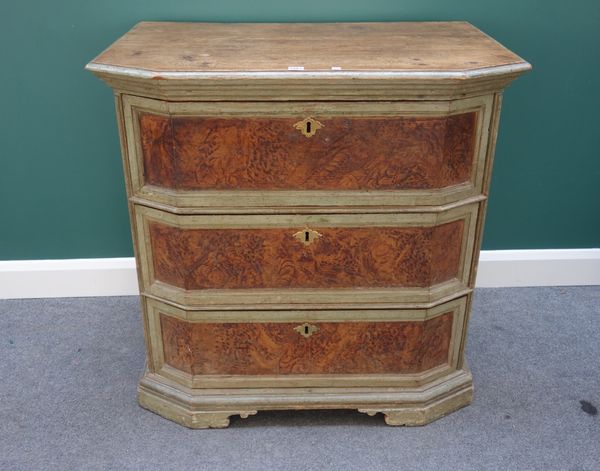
(434, 297)
(391, 206)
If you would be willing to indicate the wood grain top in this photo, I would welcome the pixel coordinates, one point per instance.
(193, 50)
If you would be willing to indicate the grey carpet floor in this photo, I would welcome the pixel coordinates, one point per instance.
(69, 367)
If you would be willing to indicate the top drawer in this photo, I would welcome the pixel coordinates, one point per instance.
(210, 156)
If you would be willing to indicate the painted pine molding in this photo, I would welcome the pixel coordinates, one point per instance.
(117, 276)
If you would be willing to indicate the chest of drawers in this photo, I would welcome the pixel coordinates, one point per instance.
(307, 202)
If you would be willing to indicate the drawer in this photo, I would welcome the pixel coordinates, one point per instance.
(202, 155)
(268, 348)
(204, 260)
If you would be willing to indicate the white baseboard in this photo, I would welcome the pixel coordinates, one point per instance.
(552, 267)
(117, 276)
(67, 278)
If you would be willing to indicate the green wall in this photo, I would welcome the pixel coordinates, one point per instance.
(61, 185)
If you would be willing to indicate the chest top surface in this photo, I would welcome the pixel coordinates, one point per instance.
(441, 49)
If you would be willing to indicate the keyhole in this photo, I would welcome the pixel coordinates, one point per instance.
(308, 127)
(306, 236)
(306, 330)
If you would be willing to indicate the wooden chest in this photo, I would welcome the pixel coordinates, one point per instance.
(307, 202)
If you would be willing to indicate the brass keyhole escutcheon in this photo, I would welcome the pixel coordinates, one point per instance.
(306, 330)
(308, 126)
(307, 236)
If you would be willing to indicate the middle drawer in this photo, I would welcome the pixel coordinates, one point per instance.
(241, 260)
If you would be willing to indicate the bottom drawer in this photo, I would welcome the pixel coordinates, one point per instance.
(312, 348)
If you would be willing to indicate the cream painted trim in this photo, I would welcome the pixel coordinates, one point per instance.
(411, 75)
(117, 276)
(327, 89)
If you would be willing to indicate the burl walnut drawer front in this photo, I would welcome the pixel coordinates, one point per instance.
(209, 348)
(204, 155)
(224, 260)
